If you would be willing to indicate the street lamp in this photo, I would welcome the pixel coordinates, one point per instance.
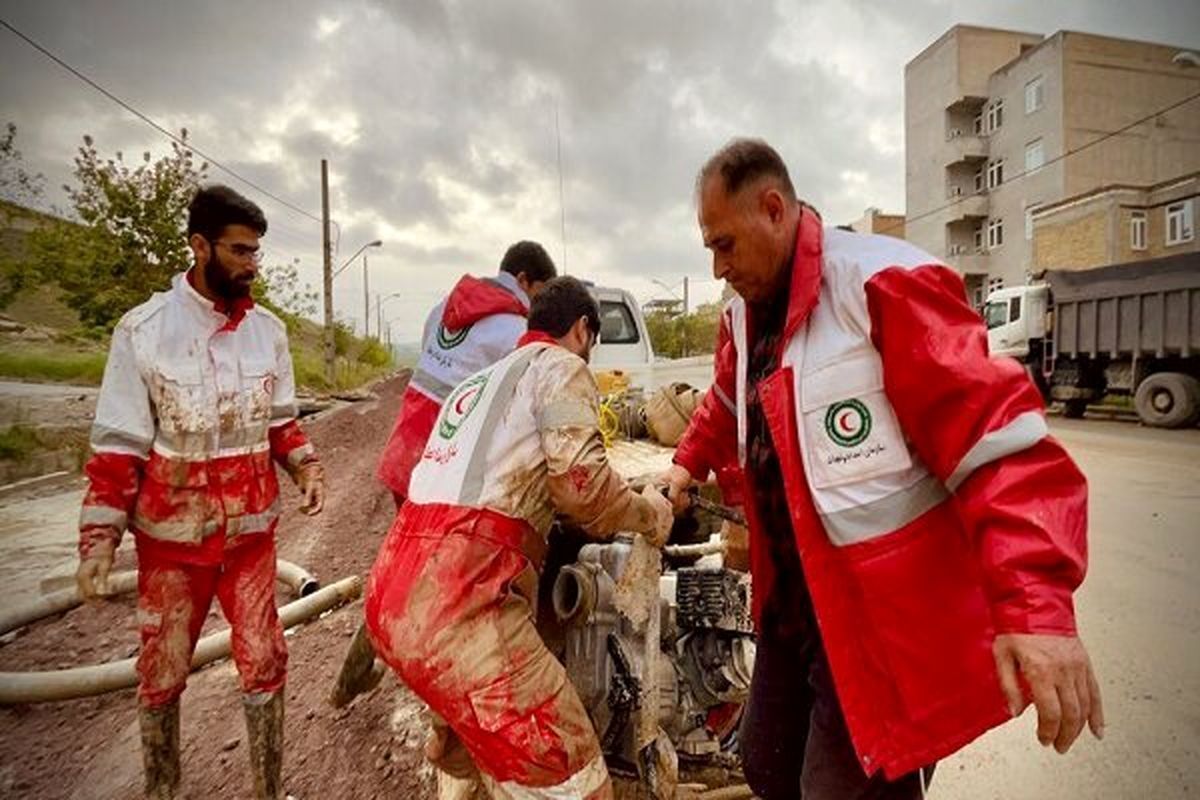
(366, 285)
(379, 302)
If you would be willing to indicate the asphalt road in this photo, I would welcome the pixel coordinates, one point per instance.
(1139, 613)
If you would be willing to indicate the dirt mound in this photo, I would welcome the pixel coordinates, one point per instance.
(84, 749)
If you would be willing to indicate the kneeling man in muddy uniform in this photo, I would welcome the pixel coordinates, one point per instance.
(198, 400)
(451, 599)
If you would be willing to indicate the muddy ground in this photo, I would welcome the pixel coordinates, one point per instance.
(84, 749)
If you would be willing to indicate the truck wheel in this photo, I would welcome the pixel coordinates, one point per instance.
(1074, 409)
(1168, 400)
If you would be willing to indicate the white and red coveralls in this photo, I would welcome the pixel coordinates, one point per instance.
(930, 509)
(195, 407)
(451, 599)
(477, 324)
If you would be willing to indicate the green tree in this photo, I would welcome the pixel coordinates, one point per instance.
(278, 288)
(16, 184)
(678, 335)
(20, 193)
(131, 239)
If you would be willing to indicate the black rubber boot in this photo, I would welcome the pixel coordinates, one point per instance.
(264, 729)
(361, 672)
(160, 750)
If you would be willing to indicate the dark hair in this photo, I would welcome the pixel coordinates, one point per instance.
(560, 303)
(530, 258)
(743, 161)
(216, 206)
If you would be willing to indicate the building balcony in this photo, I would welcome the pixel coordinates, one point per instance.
(967, 208)
(965, 148)
(968, 262)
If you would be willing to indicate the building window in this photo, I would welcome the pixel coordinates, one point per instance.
(995, 233)
(979, 184)
(995, 173)
(1179, 223)
(1029, 212)
(995, 115)
(1137, 230)
(1035, 156)
(1035, 95)
(978, 236)
(977, 124)
(995, 285)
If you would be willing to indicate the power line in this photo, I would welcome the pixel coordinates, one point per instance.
(896, 226)
(144, 118)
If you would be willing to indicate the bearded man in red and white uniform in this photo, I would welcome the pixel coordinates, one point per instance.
(196, 409)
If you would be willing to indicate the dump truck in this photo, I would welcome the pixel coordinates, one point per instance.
(1127, 329)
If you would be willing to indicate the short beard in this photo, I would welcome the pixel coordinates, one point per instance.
(218, 280)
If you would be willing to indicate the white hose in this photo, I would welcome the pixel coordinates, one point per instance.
(299, 580)
(66, 684)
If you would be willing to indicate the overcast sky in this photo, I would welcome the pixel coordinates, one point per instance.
(438, 118)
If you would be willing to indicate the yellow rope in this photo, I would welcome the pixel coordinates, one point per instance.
(610, 421)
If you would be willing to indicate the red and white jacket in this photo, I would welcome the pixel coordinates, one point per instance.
(477, 324)
(930, 508)
(194, 406)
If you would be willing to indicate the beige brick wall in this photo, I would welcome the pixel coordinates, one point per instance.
(1080, 243)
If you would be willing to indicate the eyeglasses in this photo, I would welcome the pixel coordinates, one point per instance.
(243, 252)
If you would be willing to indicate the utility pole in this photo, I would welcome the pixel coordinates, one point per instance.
(685, 295)
(327, 248)
(366, 301)
(379, 315)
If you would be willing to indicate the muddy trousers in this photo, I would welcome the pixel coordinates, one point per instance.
(452, 615)
(173, 601)
(794, 741)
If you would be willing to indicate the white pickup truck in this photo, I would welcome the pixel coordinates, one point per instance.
(625, 345)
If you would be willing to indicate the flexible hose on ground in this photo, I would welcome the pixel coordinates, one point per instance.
(66, 684)
(298, 579)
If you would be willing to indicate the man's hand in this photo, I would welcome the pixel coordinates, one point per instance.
(1061, 683)
(677, 480)
(92, 575)
(664, 518)
(310, 480)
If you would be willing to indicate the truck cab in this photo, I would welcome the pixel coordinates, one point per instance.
(624, 345)
(1014, 318)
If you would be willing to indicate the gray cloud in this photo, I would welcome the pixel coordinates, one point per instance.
(438, 118)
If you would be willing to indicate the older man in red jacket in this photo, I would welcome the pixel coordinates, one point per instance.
(916, 534)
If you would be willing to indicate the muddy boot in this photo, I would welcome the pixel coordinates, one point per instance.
(264, 729)
(160, 750)
(360, 671)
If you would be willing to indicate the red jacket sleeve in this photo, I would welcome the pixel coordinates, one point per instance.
(710, 441)
(978, 424)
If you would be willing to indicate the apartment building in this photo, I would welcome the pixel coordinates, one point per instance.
(1005, 129)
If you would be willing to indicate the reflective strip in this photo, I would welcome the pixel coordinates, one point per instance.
(102, 517)
(434, 387)
(176, 531)
(724, 398)
(580, 785)
(193, 453)
(114, 440)
(567, 414)
(1021, 433)
(891, 513)
(253, 523)
(475, 477)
